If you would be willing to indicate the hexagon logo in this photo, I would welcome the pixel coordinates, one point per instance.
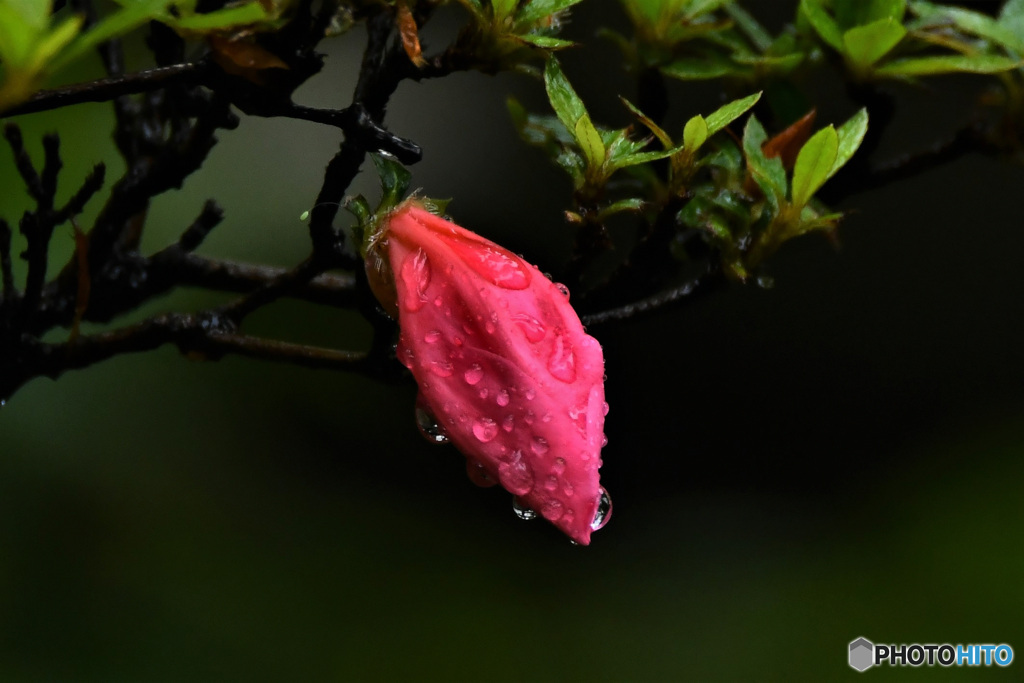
(862, 654)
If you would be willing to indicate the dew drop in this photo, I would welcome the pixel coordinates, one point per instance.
(432, 337)
(546, 418)
(604, 511)
(551, 483)
(568, 490)
(405, 355)
(415, 279)
(604, 441)
(473, 374)
(605, 408)
(521, 510)
(483, 393)
(562, 289)
(438, 301)
(559, 466)
(508, 423)
(528, 418)
(532, 328)
(552, 510)
(497, 266)
(442, 368)
(428, 425)
(502, 398)
(478, 474)
(539, 445)
(530, 394)
(562, 363)
(485, 429)
(515, 474)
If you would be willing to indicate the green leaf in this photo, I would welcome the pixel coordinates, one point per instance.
(503, 8)
(823, 23)
(699, 69)
(634, 204)
(644, 157)
(751, 28)
(1011, 17)
(865, 45)
(695, 133)
(17, 38)
(929, 66)
(118, 23)
(726, 114)
(394, 179)
(589, 141)
(243, 15)
(850, 13)
(34, 14)
(974, 23)
(767, 173)
(697, 8)
(659, 133)
(535, 10)
(850, 135)
(56, 40)
(546, 42)
(814, 164)
(567, 104)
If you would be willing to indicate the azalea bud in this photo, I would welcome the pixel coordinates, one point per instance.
(503, 364)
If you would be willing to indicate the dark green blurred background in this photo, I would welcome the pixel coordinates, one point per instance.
(839, 456)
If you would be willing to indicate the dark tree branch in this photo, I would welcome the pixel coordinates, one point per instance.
(106, 89)
(711, 281)
(6, 268)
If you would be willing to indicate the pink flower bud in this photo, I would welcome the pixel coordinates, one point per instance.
(503, 363)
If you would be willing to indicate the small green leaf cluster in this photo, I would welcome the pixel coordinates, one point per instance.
(36, 43)
(744, 202)
(705, 39)
(879, 39)
(505, 34)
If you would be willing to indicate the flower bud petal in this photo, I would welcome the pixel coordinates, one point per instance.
(504, 364)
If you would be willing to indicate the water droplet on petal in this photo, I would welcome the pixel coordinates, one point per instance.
(562, 363)
(415, 279)
(530, 394)
(494, 264)
(552, 510)
(532, 328)
(546, 418)
(485, 429)
(502, 398)
(539, 445)
(604, 441)
(473, 374)
(478, 474)
(604, 511)
(562, 289)
(428, 425)
(508, 423)
(568, 490)
(559, 465)
(432, 337)
(521, 510)
(442, 368)
(438, 301)
(604, 408)
(528, 418)
(515, 474)
(551, 483)
(483, 393)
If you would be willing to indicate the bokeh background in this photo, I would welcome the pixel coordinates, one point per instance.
(839, 456)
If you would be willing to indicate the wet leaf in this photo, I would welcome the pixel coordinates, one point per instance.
(865, 45)
(564, 100)
(726, 114)
(850, 135)
(928, 66)
(814, 164)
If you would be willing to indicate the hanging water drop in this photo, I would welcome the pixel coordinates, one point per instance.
(521, 510)
(604, 511)
(428, 425)
(562, 289)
